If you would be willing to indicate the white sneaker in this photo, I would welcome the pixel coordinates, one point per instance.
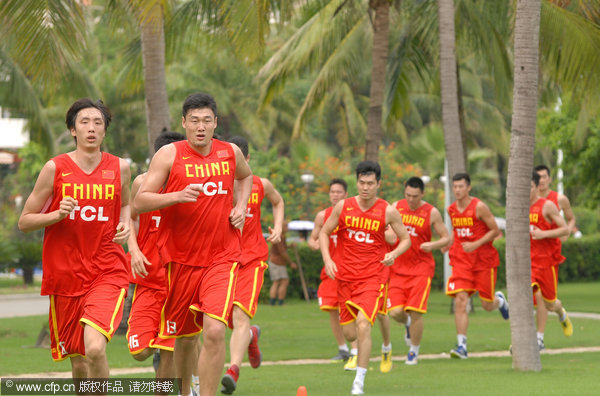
(357, 388)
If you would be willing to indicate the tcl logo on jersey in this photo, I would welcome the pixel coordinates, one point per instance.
(88, 213)
(360, 236)
(249, 212)
(333, 239)
(156, 220)
(463, 232)
(411, 231)
(211, 188)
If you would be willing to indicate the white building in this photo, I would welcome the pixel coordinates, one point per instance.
(13, 136)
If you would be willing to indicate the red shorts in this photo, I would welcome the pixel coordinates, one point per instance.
(545, 279)
(364, 296)
(144, 320)
(327, 293)
(409, 292)
(194, 291)
(383, 306)
(467, 280)
(101, 308)
(250, 278)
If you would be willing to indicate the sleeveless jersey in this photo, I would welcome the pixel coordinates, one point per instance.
(254, 246)
(332, 241)
(543, 251)
(556, 243)
(468, 228)
(361, 241)
(147, 239)
(418, 224)
(199, 233)
(79, 250)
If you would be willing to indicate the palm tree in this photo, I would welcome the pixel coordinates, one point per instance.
(525, 352)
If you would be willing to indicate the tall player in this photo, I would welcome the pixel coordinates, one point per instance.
(81, 198)
(255, 252)
(562, 203)
(360, 258)
(148, 275)
(199, 237)
(547, 226)
(473, 258)
(412, 272)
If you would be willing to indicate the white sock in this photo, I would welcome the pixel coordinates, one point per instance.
(343, 347)
(414, 348)
(408, 321)
(354, 351)
(563, 316)
(540, 336)
(462, 340)
(501, 302)
(361, 372)
(386, 348)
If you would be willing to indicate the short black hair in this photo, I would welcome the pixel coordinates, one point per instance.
(339, 181)
(167, 137)
(541, 168)
(535, 178)
(462, 176)
(415, 182)
(199, 101)
(85, 103)
(366, 167)
(242, 143)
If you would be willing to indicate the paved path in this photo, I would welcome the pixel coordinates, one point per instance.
(14, 305)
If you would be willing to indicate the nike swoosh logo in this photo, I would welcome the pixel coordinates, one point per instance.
(186, 157)
(66, 174)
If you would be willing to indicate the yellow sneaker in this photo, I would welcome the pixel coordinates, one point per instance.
(567, 326)
(386, 362)
(351, 363)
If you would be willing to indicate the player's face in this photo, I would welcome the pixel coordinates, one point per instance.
(367, 186)
(199, 127)
(413, 196)
(461, 189)
(336, 193)
(545, 180)
(89, 128)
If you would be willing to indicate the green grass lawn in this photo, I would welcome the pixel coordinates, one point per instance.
(299, 330)
(16, 286)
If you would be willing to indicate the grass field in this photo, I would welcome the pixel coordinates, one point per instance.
(14, 285)
(299, 330)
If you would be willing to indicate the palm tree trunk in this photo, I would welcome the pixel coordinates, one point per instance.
(525, 352)
(379, 59)
(155, 86)
(455, 149)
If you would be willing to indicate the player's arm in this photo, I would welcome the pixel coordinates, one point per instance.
(394, 219)
(390, 234)
(123, 228)
(148, 198)
(326, 230)
(31, 218)
(242, 189)
(565, 206)
(484, 214)
(440, 229)
(276, 200)
(138, 260)
(313, 239)
(552, 215)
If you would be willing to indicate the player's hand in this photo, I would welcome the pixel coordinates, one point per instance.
(275, 236)
(564, 238)
(313, 243)
(330, 269)
(122, 234)
(468, 247)
(237, 218)
(445, 249)
(67, 204)
(536, 233)
(139, 263)
(190, 193)
(388, 259)
(426, 247)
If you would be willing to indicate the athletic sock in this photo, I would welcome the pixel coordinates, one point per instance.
(462, 340)
(280, 302)
(386, 348)
(354, 351)
(272, 301)
(563, 315)
(343, 348)
(408, 321)
(414, 348)
(361, 372)
(540, 336)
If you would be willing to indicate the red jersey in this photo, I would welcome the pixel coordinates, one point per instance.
(556, 243)
(468, 228)
(543, 251)
(332, 241)
(418, 224)
(79, 250)
(200, 233)
(254, 246)
(361, 241)
(147, 238)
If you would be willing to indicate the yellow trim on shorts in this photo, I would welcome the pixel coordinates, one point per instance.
(229, 292)
(129, 318)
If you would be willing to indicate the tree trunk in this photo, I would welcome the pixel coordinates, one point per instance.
(28, 275)
(379, 59)
(525, 352)
(455, 148)
(155, 86)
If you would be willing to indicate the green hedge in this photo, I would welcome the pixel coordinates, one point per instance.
(582, 265)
